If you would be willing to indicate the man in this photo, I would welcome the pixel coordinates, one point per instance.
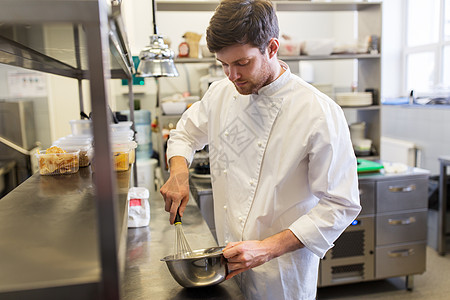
(282, 165)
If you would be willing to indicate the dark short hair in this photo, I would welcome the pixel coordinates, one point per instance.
(242, 22)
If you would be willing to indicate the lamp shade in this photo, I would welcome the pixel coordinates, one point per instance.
(156, 60)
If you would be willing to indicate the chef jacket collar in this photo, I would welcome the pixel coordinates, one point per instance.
(277, 84)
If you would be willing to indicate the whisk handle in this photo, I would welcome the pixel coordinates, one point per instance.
(177, 218)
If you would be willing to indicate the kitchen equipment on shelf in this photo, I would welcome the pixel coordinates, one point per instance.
(361, 145)
(357, 131)
(174, 104)
(316, 47)
(173, 107)
(204, 267)
(354, 99)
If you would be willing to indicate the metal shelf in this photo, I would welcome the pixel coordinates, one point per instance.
(289, 58)
(94, 47)
(371, 107)
(22, 40)
(210, 5)
(330, 57)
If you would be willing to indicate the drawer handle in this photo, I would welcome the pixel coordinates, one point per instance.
(402, 189)
(402, 221)
(401, 253)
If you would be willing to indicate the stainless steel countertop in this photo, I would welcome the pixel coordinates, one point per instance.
(383, 175)
(49, 237)
(146, 277)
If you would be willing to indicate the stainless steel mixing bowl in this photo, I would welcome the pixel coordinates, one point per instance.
(203, 267)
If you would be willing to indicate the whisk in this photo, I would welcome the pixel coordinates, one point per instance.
(182, 248)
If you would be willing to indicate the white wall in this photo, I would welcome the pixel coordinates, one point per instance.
(63, 93)
(392, 41)
(427, 127)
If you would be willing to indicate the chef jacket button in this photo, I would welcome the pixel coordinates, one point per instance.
(251, 182)
(260, 143)
(235, 97)
(225, 171)
(225, 207)
(226, 133)
(226, 242)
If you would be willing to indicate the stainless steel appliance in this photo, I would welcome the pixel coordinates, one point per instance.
(17, 135)
(17, 123)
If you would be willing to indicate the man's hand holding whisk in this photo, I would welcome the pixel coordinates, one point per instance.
(176, 190)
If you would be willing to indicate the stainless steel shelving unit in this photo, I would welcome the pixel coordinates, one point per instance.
(98, 52)
(369, 22)
(210, 5)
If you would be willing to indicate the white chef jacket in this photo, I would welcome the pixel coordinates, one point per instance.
(280, 159)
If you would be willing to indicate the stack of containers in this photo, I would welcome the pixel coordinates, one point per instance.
(145, 163)
(143, 125)
(80, 140)
(72, 143)
(123, 145)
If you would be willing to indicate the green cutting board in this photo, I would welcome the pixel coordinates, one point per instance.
(368, 166)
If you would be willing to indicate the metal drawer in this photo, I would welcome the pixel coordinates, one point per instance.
(367, 197)
(404, 194)
(400, 260)
(400, 228)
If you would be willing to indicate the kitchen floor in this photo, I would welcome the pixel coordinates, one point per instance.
(433, 284)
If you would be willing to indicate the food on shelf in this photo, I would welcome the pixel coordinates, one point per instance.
(121, 161)
(55, 161)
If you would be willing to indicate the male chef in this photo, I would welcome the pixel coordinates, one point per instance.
(282, 165)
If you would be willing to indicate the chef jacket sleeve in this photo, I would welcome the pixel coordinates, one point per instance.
(191, 132)
(333, 181)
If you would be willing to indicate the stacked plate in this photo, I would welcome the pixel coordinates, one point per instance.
(354, 99)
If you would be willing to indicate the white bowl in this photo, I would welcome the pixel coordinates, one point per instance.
(173, 107)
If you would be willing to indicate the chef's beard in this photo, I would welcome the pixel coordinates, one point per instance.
(263, 77)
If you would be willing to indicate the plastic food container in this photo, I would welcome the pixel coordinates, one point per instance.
(119, 136)
(86, 152)
(82, 139)
(81, 127)
(121, 160)
(121, 126)
(129, 147)
(58, 163)
(84, 145)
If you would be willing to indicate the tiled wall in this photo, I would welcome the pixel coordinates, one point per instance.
(426, 126)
